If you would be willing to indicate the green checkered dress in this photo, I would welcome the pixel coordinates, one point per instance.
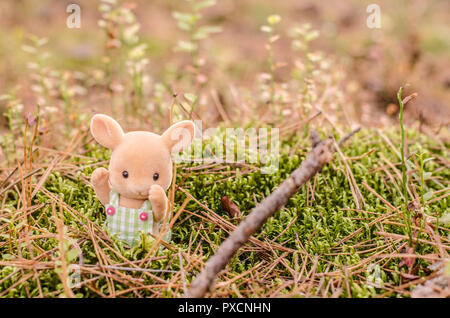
(129, 223)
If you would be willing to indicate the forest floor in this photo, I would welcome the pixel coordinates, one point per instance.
(359, 228)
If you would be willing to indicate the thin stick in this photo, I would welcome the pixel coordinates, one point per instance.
(183, 278)
(319, 156)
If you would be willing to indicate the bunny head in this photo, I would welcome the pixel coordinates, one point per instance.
(140, 159)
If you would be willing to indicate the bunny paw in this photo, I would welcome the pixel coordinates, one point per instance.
(157, 195)
(99, 177)
(158, 199)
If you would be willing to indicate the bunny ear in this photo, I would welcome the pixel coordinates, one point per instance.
(106, 131)
(179, 136)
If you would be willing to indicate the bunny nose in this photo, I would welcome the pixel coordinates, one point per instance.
(141, 190)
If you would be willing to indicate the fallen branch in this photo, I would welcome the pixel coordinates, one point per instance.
(320, 155)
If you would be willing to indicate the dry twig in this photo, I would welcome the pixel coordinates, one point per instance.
(320, 155)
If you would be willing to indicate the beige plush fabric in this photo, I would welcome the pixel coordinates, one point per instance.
(137, 158)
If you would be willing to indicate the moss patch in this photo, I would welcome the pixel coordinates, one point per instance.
(310, 228)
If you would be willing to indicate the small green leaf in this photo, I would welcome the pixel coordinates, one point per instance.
(180, 16)
(29, 49)
(185, 46)
(273, 19)
(204, 4)
(447, 269)
(427, 196)
(204, 32)
(71, 255)
(312, 35)
(445, 219)
(184, 25)
(137, 52)
(211, 29)
(191, 97)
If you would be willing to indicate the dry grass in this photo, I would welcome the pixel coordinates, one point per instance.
(342, 235)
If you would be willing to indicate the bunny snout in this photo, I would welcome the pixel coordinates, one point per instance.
(141, 191)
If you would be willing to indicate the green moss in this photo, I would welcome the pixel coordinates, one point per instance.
(319, 224)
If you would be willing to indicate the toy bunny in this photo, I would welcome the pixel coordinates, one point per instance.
(140, 171)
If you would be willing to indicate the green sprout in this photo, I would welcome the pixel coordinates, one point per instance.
(189, 22)
(406, 212)
(272, 20)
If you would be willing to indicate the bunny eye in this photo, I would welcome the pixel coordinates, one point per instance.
(156, 176)
(125, 174)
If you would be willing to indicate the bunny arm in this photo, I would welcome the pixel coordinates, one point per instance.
(100, 182)
(158, 198)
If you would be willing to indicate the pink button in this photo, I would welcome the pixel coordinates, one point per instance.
(110, 210)
(143, 216)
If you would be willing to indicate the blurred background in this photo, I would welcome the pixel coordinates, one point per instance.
(412, 46)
